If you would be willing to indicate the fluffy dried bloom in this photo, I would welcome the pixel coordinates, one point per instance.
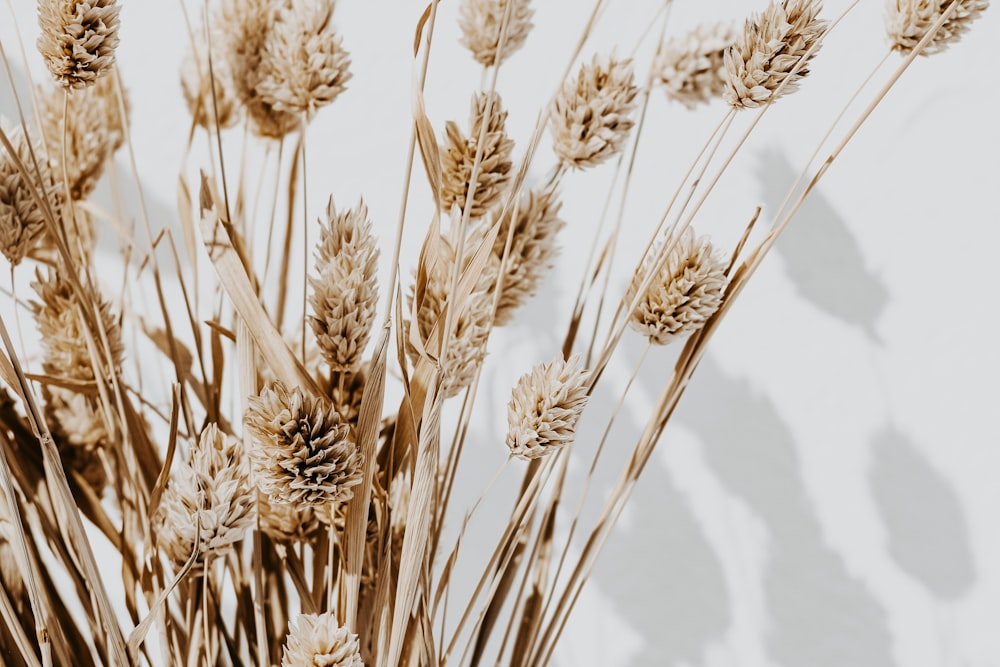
(691, 69)
(283, 522)
(687, 291)
(907, 21)
(304, 65)
(589, 118)
(75, 417)
(197, 80)
(771, 46)
(78, 39)
(22, 221)
(210, 498)
(532, 249)
(471, 327)
(94, 131)
(458, 155)
(544, 408)
(302, 452)
(345, 291)
(243, 28)
(481, 21)
(315, 640)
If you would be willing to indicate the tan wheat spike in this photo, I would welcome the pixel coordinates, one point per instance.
(907, 21)
(769, 50)
(78, 39)
(544, 407)
(481, 22)
(691, 68)
(22, 222)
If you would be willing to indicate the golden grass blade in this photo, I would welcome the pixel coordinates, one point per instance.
(63, 497)
(429, 151)
(233, 277)
(372, 399)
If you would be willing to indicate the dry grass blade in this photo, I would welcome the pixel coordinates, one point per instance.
(357, 506)
(232, 274)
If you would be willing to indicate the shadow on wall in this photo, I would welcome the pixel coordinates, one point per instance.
(925, 527)
(659, 569)
(822, 258)
(818, 614)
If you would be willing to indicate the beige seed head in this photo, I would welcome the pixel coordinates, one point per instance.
(63, 330)
(770, 47)
(210, 498)
(481, 21)
(316, 640)
(691, 69)
(243, 27)
(197, 80)
(589, 118)
(345, 289)
(283, 522)
(532, 249)
(907, 21)
(78, 39)
(22, 222)
(458, 155)
(94, 131)
(544, 408)
(304, 65)
(78, 428)
(686, 292)
(302, 453)
(467, 347)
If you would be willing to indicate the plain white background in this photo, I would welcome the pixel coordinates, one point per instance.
(826, 495)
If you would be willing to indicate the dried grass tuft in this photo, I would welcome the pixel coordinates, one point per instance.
(907, 21)
(304, 65)
(687, 291)
(481, 21)
(771, 46)
(691, 68)
(210, 498)
(458, 155)
(302, 452)
(544, 408)
(590, 117)
(94, 131)
(345, 289)
(22, 222)
(78, 39)
(317, 639)
(532, 249)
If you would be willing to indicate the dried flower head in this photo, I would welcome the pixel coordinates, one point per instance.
(481, 22)
(197, 80)
(907, 21)
(544, 408)
(691, 69)
(22, 221)
(315, 640)
(458, 155)
(78, 39)
(302, 452)
(471, 326)
(345, 291)
(770, 48)
(63, 330)
(210, 499)
(93, 132)
(76, 417)
(284, 522)
(687, 290)
(532, 249)
(589, 118)
(304, 65)
(243, 28)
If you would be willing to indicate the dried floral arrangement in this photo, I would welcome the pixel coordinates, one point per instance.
(273, 508)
